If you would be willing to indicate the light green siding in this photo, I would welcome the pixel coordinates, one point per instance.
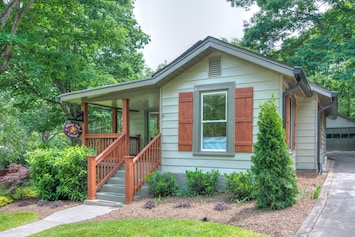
(306, 131)
(244, 74)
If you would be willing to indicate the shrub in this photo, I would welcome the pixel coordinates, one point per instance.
(162, 185)
(316, 192)
(5, 200)
(26, 192)
(275, 178)
(240, 185)
(200, 183)
(16, 177)
(60, 174)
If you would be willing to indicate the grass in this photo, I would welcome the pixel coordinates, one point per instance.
(14, 219)
(147, 227)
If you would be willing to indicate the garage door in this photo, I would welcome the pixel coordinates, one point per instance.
(342, 139)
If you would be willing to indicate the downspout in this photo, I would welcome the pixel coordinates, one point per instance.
(320, 168)
(284, 95)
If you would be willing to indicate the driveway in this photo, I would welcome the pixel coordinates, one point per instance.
(334, 212)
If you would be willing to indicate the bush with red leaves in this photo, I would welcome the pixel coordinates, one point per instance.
(16, 177)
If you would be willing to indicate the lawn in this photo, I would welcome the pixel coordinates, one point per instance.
(11, 220)
(147, 227)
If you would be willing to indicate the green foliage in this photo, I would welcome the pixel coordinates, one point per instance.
(276, 185)
(5, 200)
(162, 185)
(324, 40)
(60, 174)
(24, 192)
(316, 192)
(240, 185)
(201, 183)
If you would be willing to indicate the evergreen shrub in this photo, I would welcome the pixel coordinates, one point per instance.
(162, 185)
(201, 183)
(60, 173)
(240, 185)
(276, 184)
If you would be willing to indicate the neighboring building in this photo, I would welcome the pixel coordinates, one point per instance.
(341, 134)
(208, 104)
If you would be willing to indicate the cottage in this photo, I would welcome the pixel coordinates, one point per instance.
(206, 103)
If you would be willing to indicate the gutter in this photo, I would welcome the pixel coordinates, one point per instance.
(332, 104)
(301, 83)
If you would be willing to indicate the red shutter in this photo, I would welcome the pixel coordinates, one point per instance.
(287, 128)
(244, 119)
(185, 121)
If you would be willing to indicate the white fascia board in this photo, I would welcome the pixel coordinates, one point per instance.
(104, 90)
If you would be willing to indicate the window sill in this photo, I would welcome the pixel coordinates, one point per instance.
(224, 154)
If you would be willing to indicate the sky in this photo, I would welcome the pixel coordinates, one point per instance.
(174, 26)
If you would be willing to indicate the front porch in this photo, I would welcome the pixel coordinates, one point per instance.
(137, 155)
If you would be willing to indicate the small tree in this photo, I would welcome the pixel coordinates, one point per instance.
(276, 184)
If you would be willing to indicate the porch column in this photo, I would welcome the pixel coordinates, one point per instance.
(114, 120)
(84, 125)
(125, 123)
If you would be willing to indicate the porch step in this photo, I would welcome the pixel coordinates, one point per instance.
(112, 193)
(98, 202)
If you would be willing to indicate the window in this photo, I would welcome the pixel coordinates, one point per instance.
(214, 119)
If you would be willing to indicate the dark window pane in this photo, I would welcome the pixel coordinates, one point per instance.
(344, 135)
(214, 106)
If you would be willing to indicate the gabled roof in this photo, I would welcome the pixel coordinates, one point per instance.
(189, 58)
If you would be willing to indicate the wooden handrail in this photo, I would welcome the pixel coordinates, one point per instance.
(99, 142)
(103, 166)
(138, 167)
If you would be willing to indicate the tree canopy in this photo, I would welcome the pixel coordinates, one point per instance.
(74, 45)
(62, 46)
(318, 35)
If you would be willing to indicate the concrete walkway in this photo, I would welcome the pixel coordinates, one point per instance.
(70, 215)
(334, 212)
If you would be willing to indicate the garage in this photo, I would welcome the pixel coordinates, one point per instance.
(340, 134)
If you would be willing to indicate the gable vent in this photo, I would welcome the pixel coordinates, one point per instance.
(214, 67)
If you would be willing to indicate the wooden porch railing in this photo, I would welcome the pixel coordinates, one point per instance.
(99, 142)
(138, 167)
(103, 166)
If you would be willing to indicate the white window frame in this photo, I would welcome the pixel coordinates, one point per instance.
(202, 121)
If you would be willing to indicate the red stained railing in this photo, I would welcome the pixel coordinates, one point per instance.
(99, 142)
(138, 167)
(103, 166)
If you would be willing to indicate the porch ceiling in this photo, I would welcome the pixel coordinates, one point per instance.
(144, 99)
